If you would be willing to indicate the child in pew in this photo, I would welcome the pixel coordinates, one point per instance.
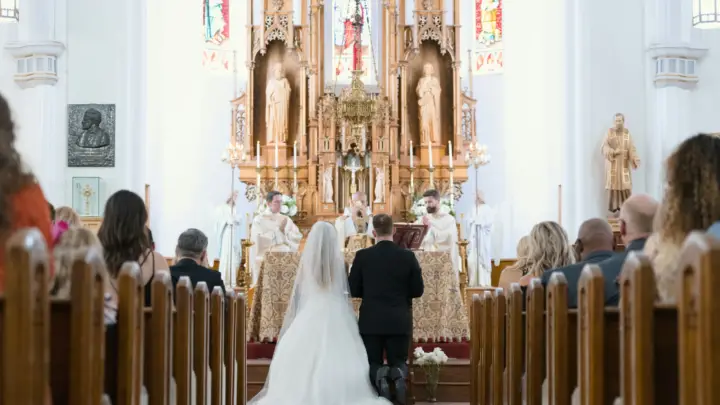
(71, 244)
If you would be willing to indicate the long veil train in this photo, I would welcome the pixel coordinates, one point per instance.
(320, 358)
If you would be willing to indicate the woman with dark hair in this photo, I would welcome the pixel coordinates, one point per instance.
(125, 238)
(691, 202)
(22, 203)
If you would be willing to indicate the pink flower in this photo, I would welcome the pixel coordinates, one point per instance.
(59, 228)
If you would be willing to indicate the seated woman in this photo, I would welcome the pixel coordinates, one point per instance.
(71, 244)
(691, 202)
(514, 272)
(124, 238)
(549, 249)
(22, 203)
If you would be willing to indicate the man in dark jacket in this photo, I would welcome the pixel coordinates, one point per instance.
(190, 253)
(387, 278)
(636, 223)
(594, 244)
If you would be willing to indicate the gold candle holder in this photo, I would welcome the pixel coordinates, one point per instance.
(244, 277)
(462, 247)
(432, 176)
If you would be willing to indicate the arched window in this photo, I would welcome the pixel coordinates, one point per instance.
(9, 11)
(341, 48)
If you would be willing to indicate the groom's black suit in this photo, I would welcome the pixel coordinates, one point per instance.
(387, 278)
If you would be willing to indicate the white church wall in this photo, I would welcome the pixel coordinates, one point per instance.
(706, 97)
(8, 88)
(188, 122)
(105, 49)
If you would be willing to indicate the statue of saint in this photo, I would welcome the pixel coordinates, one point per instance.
(428, 91)
(92, 136)
(620, 156)
(328, 184)
(277, 102)
(379, 185)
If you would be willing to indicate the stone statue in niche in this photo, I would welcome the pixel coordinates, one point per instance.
(328, 185)
(620, 156)
(428, 92)
(277, 103)
(379, 185)
(91, 135)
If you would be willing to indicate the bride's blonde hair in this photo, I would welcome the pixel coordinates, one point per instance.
(549, 248)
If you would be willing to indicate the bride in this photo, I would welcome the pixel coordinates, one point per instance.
(320, 358)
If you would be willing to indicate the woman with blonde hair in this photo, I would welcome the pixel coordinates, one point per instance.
(67, 215)
(691, 202)
(549, 249)
(514, 272)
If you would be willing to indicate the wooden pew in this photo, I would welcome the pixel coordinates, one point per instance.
(561, 343)
(499, 305)
(515, 347)
(534, 342)
(648, 338)
(598, 340)
(485, 360)
(475, 337)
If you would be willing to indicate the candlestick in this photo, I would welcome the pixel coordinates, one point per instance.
(411, 155)
(451, 154)
(412, 180)
(452, 186)
(247, 220)
(430, 153)
(295, 170)
(257, 156)
(295, 154)
(276, 155)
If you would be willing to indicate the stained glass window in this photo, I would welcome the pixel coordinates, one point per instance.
(343, 41)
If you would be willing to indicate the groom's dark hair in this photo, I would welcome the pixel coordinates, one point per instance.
(383, 224)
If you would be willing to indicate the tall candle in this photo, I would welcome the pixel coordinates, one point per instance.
(276, 155)
(451, 154)
(257, 155)
(430, 153)
(247, 216)
(342, 135)
(295, 154)
(411, 155)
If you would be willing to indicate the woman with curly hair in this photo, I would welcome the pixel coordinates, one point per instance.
(691, 202)
(125, 238)
(549, 249)
(22, 203)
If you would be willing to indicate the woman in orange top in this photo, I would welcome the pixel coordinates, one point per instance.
(22, 203)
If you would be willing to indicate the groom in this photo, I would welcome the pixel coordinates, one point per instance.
(387, 278)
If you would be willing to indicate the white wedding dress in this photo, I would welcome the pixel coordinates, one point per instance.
(320, 358)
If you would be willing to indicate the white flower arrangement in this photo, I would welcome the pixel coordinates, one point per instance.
(288, 207)
(435, 357)
(430, 362)
(419, 208)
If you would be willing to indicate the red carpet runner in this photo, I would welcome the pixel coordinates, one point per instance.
(454, 350)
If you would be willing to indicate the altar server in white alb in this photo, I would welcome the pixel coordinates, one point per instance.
(480, 248)
(442, 234)
(227, 230)
(272, 232)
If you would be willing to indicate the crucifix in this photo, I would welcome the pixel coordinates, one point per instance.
(353, 168)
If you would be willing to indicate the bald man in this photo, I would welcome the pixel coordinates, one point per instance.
(636, 225)
(594, 244)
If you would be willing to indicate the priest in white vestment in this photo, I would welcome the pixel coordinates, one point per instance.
(272, 232)
(442, 234)
(356, 219)
(227, 231)
(480, 247)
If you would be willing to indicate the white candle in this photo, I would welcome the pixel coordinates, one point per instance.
(295, 154)
(248, 221)
(363, 140)
(430, 153)
(411, 155)
(276, 155)
(257, 155)
(451, 154)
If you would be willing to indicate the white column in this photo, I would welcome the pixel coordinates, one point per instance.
(673, 72)
(39, 66)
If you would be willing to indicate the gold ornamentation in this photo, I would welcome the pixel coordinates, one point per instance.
(277, 4)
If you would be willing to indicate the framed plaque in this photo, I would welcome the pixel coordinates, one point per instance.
(86, 196)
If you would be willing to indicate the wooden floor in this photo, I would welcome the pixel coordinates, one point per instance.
(454, 387)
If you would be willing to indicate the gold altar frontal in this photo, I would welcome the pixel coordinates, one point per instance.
(287, 103)
(438, 316)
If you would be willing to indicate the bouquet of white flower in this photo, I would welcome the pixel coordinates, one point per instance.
(288, 207)
(419, 208)
(430, 362)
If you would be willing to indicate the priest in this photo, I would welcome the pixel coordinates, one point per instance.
(480, 249)
(227, 230)
(271, 232)
(442, 235)
(355, 220)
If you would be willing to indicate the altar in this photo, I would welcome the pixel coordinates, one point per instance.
(438, 316)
